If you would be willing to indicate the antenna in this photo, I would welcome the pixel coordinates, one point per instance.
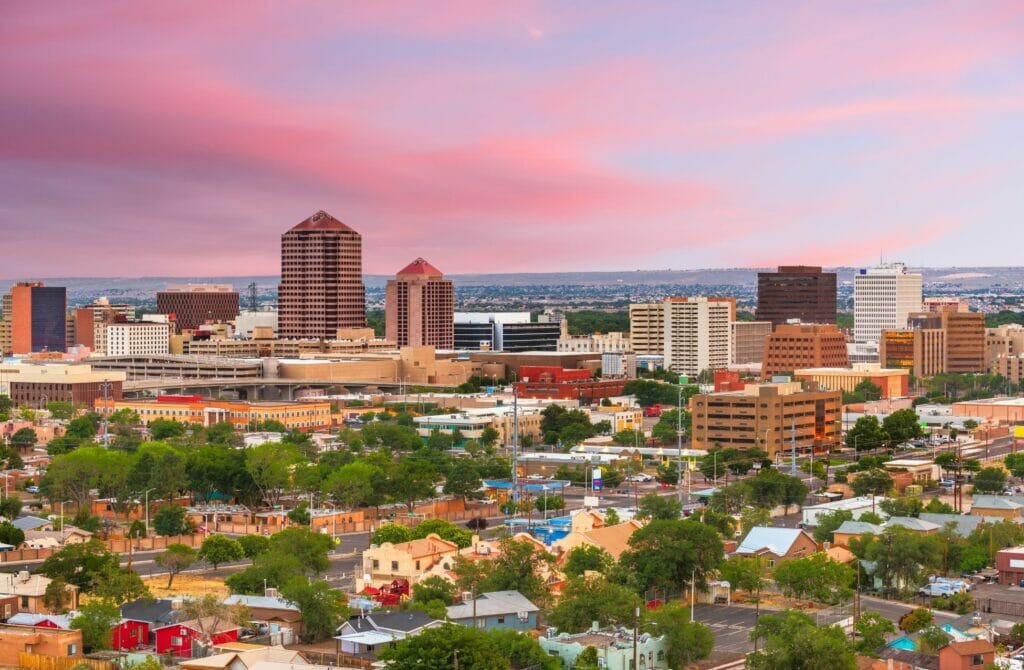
(252, 297)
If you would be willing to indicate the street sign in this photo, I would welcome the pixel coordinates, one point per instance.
(683, 380)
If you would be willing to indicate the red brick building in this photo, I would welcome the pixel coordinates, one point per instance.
(561, 384)
(321, 287)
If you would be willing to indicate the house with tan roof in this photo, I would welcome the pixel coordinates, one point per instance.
(410, 561)
(245, 660)
(29, 590)
(613, 539)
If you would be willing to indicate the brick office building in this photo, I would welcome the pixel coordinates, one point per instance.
(419, 307)
(800, 292)
(34, 318)
(321, 287)
(796, 346)
(195, 304)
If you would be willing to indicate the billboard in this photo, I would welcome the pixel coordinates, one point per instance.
(596, 479)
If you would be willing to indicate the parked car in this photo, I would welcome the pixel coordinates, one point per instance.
(641, 477)
(32, 489)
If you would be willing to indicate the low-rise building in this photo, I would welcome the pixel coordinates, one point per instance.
(894, 382)
(856, 506)
(496, 610)
(1003, 507)
(16, 640)
(967, 655)
(33, 385)
(30, 591)
(471, 423)
(614, 646)
(613, 539)
(777, 544)
(304, 416)
(771, 417)
(849, 530)
(797, 346)
(269, 612)
(367, 635)
(388, 562)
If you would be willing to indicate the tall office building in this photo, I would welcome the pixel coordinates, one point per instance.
(419, 307)
(883, 298)
(794, 346)
(698, 334)
(748, 341)
(195, 304)
(321, 287)
(799, 292)
(34, 318)
(647, 328)
(936, 342)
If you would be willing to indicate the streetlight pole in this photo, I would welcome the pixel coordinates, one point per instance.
(105, 386)
(62, 533)
(146, 503)
(679, 444)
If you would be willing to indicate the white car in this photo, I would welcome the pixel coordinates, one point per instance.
(641, 477)
(535, 476)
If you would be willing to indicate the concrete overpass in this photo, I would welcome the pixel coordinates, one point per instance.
(262, 388)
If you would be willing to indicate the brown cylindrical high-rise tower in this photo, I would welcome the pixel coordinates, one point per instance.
(321, 287)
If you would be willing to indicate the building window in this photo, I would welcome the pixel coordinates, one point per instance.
(977, 659)
(175, 641)
(24, 601)
(376, 564)
(72, 649)
(394, 565)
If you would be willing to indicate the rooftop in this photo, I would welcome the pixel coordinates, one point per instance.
(493, 604)
(776, 540)
(321, 221)
(420, 267)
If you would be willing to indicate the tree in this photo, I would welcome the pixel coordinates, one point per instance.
(516, 569)
(321, 606)
(170, 521)
(434, 588)
(219, 549)
(915, 620)
(254, 545)
(932, 639)
(80, 564)
(817, 577)
(653, 506)
(868, 391)
(686, 641)
(671, 554)
(269, 465)
(990, 480)
(356, 484)
(875, 481)
(174, 559)
(792, 640)
(11, 534)
(1015, 464)
(587, 660)
(546, 503)
(902, 425)
(412, 479)
(489, 437)
(83, 428)
(391, 532)
(5, 407)
(95, 620)
(165, 429)
(60, 410)
(10, 508)
(752, 517)
(443, 529)
(24, 439)
(437, 649)
(300, 515)
(871, 629)
(270, 568)
(209, 612)
(828, 522)
(308, 547)
(463, 479)
(585, 600)
(745, 573)
(866, 434)
(522, 650)
(587, 558)
(56, 597)
(119, 585)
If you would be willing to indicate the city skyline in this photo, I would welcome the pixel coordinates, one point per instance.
(187, 141)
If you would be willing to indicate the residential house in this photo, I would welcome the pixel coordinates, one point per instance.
(54, 539)
(613, 539)
(777, 544)
(496, 609)
(856, 506)
(963, 524)
(29, 590)
(1003, 507)
(914, 525)
(181, 638)
(853, 529)
(269, 612)
(614, 648)
(245, 660)
(138, 620)
(366, 635)
(969, 655)
(58, 621)
(27, 523)
(388, 562)
(15, 640)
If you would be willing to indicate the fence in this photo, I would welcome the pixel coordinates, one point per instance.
(39, 662)
(119, 545)
(991, 606)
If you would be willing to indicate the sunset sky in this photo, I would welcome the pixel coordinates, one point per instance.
(182, 138)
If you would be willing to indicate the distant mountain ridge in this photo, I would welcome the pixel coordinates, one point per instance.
(967, 278)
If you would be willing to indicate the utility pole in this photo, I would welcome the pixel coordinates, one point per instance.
(636, 625)
(515, 445)
(679, 443)
(792, 441)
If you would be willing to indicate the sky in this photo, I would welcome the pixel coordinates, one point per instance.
(182, 138)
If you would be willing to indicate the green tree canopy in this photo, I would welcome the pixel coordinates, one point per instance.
(866, 434)
(96, 620)
(585, 600)
(585, 558)
(217, 549)
(175, 558)
(902, 425)
(990, 480)
(170, 520)
(687, 641)
(670, 554)
(791, 640)
(322, 607)
(817, 577)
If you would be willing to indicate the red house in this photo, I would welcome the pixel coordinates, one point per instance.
(129, 635)
(177, 638)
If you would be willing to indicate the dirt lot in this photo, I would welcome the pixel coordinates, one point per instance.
(186, 585)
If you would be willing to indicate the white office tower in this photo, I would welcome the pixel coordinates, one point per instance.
(883, 298)
(698, 334)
